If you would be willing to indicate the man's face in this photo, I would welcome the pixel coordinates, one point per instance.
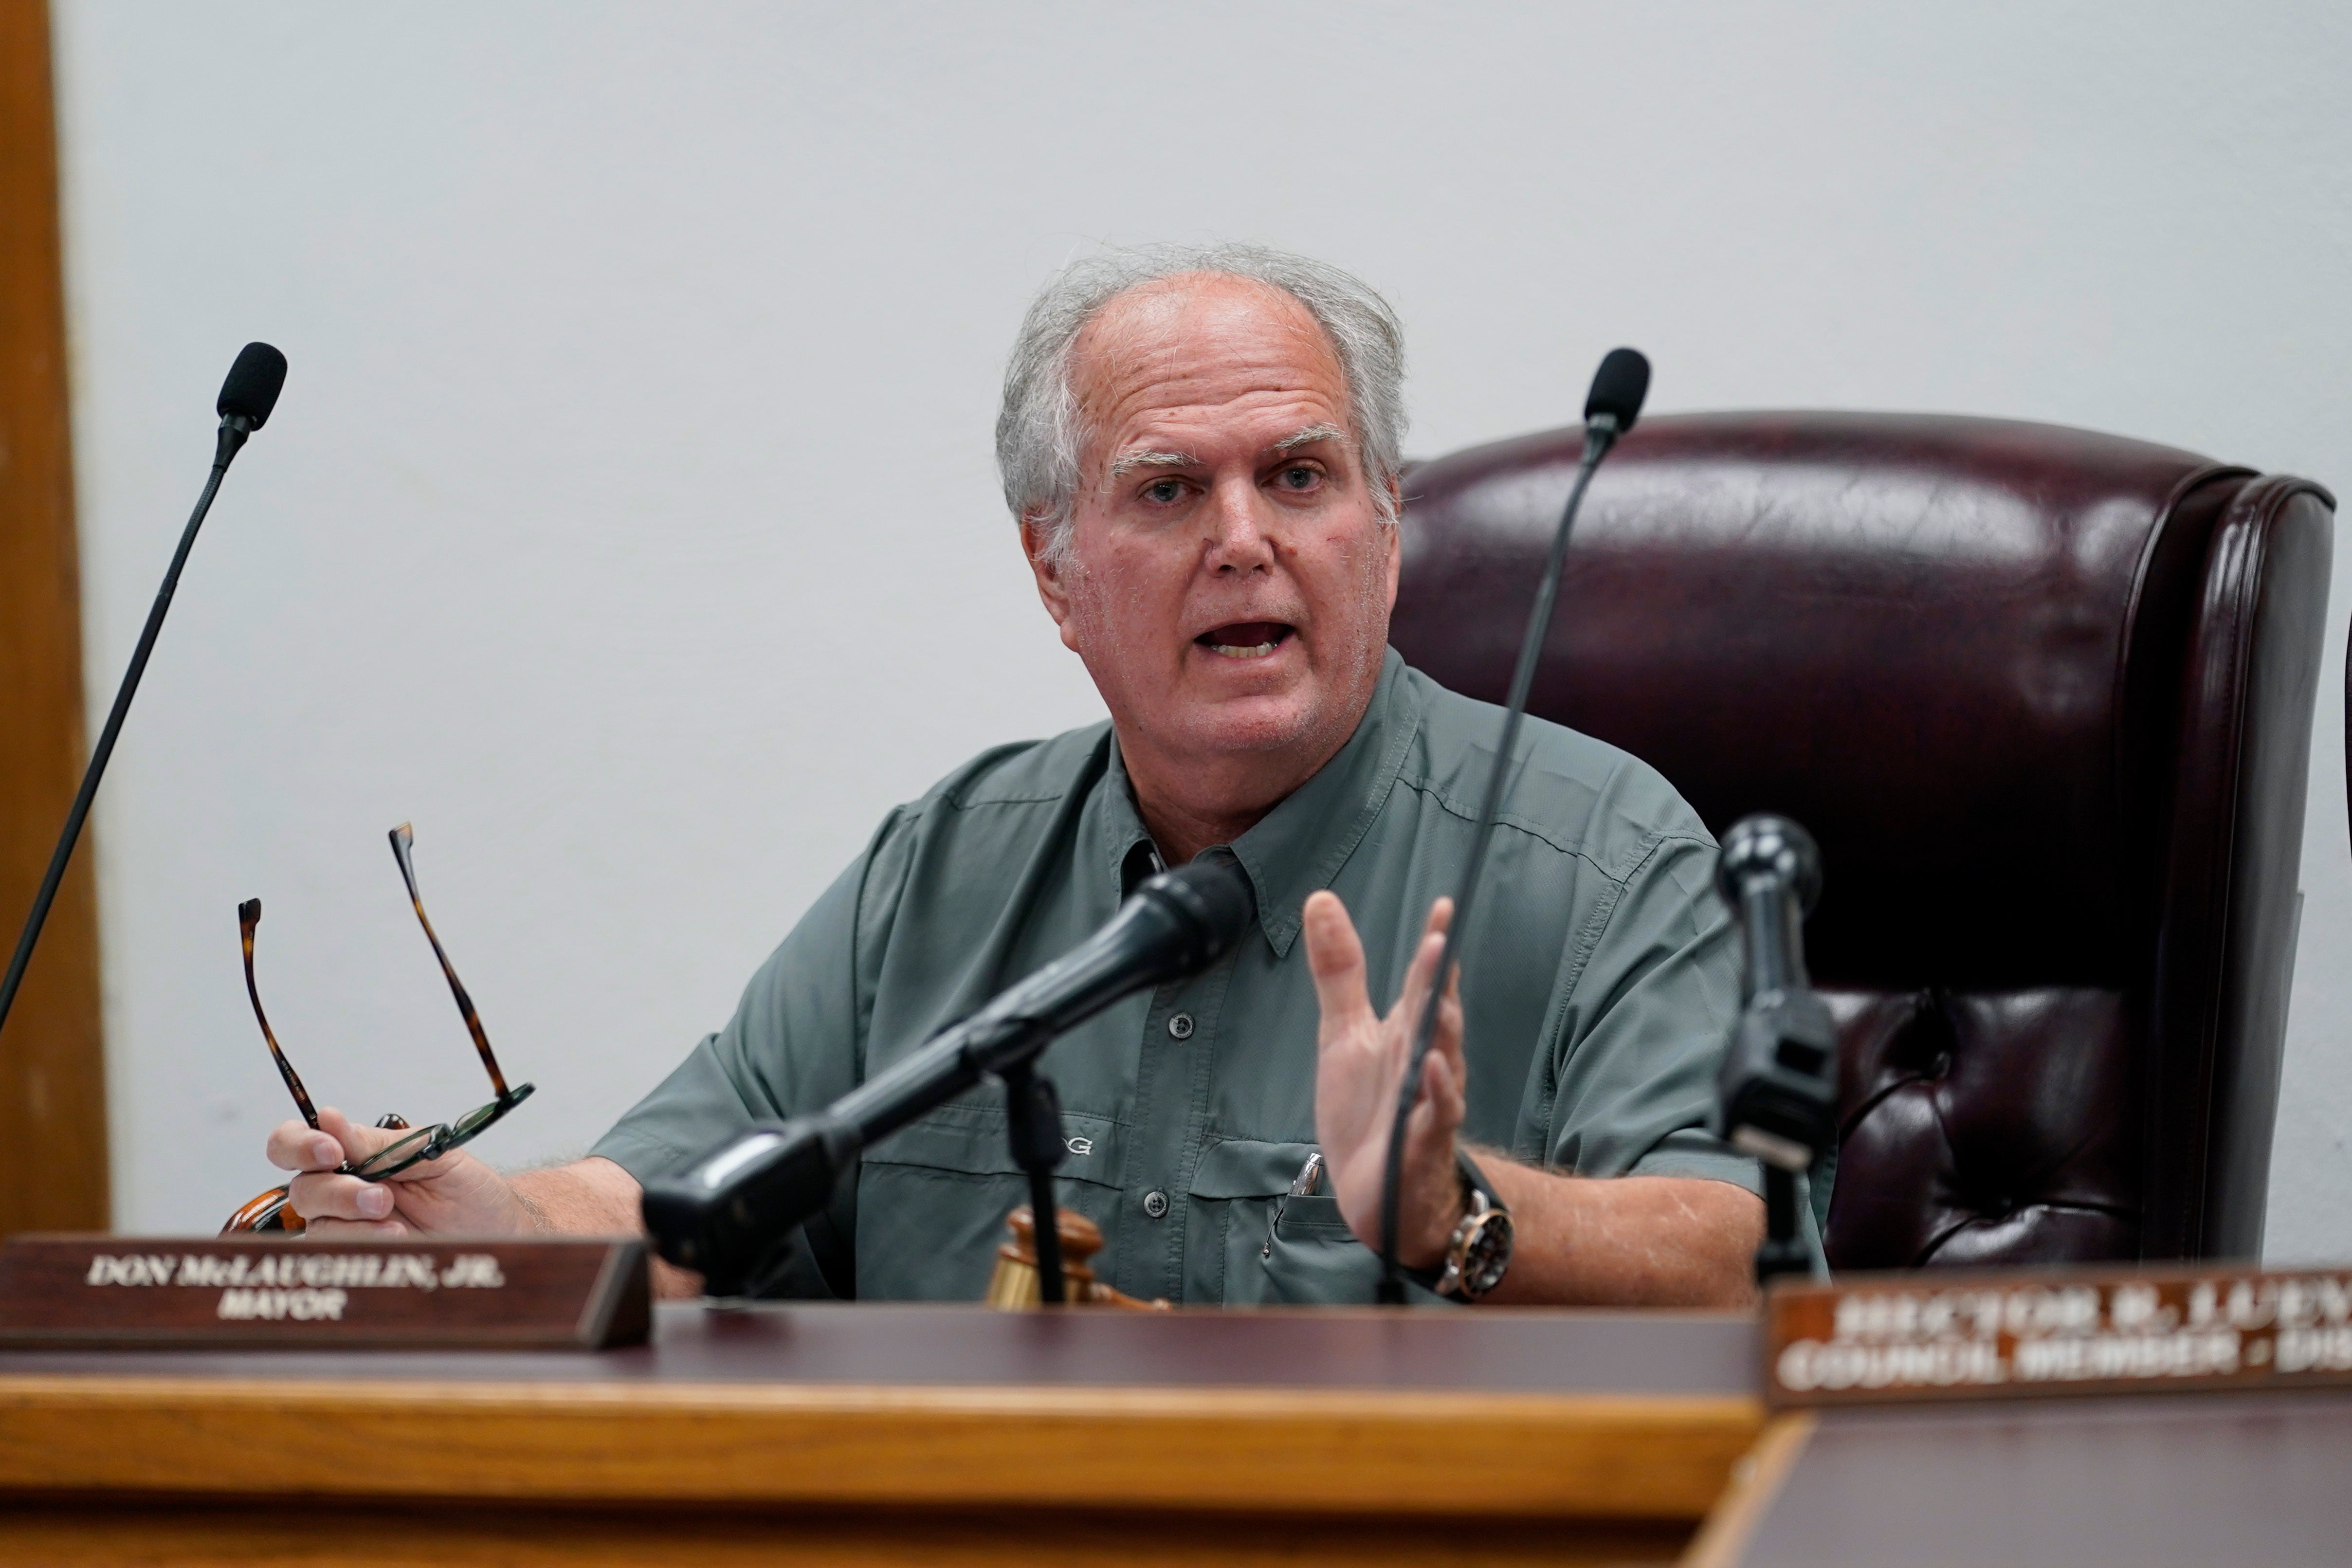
(1229, 581)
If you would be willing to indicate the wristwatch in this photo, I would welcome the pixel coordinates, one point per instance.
(1478, 1254)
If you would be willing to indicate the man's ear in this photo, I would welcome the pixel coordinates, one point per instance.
(1053, 592)
(1395, 530)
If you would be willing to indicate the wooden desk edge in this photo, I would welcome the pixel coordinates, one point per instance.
(1292, 1450)
(1756, 1483)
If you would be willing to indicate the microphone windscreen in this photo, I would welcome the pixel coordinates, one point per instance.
(253, 384)
(1212, 896)
(1766, 844)
(1619, 386)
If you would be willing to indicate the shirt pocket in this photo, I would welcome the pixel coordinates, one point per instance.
(933, 1198)
(1278, 1249)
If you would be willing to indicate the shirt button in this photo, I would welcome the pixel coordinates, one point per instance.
(1180, 1026)
(1155, 1204)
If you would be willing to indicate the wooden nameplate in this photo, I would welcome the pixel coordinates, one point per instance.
(1876, 1339)
(128, 1292)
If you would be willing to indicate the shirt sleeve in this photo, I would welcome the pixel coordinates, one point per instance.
(1648, 1016)
(796, 1043)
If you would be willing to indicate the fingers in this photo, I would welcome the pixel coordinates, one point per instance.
(1426, 1215)
(322, 1195)
(357, 1142)
(1447, 1041)
(1440, 1100)
(1430, 1132)
(344, 1230)
(1335, 957)
(294, 1146)
(297, 1146)
(1441, 915)
(1404, 1019)
(1440, 1111)
(1443, 1102)
(1414, 996)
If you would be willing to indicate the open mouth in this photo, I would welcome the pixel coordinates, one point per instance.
(1246, 639)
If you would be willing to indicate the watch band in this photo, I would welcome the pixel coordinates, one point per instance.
(1489, 1220)
(1474, 1180)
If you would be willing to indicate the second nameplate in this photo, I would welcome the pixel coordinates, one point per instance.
(1873, 1338)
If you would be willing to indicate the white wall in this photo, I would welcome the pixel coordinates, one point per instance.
(629, 520)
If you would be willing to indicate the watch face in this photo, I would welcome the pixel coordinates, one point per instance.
(1488, 1255)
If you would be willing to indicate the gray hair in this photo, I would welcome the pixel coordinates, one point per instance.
(1038, 434)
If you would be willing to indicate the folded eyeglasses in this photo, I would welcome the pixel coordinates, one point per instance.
(269, 1212)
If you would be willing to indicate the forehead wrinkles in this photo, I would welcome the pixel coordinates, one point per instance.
(1196, 340)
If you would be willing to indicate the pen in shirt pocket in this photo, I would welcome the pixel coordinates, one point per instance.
(1301, 1185)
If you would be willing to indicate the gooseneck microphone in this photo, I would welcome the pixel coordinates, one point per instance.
(245, 399)
(1618, 387)
(1777, 1093)
(731, 1214)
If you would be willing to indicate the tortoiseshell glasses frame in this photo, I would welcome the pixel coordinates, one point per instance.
(421, 1143)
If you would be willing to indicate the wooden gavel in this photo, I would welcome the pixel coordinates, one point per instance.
(1015, 1286)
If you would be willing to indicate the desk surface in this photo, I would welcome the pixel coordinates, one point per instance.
(956, 1435)
(2148, 1481)
(1556, 1426)
(899, 1346)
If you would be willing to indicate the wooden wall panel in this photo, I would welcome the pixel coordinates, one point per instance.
(53, 1163)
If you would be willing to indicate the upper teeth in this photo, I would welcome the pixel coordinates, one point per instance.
(1256, 650)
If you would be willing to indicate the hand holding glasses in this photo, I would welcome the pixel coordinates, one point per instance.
(269, 1212)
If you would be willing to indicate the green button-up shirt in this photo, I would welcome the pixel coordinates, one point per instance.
(1600, 983)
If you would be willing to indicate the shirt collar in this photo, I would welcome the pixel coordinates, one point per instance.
(1302, 843)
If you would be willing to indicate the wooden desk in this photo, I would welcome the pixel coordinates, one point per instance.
(900, 1434)
(2148, 1481)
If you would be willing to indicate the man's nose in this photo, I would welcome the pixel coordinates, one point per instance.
(1237, 519)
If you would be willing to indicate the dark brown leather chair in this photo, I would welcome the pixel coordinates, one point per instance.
(2045, 697)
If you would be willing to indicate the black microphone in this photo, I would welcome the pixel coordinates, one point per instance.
(731, 1214)
(1609, 409)
(1769, 873)
(1618, 387)
(245, 399)
(1777, 1093)
(252, 388)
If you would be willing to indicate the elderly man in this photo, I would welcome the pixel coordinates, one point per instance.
(1202, 451)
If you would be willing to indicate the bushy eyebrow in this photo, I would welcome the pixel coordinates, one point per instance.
(1308, 436)
(1131, 461)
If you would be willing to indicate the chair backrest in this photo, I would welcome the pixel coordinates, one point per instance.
(2043, 697)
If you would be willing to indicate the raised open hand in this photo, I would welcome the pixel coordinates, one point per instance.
(1361, 1059)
